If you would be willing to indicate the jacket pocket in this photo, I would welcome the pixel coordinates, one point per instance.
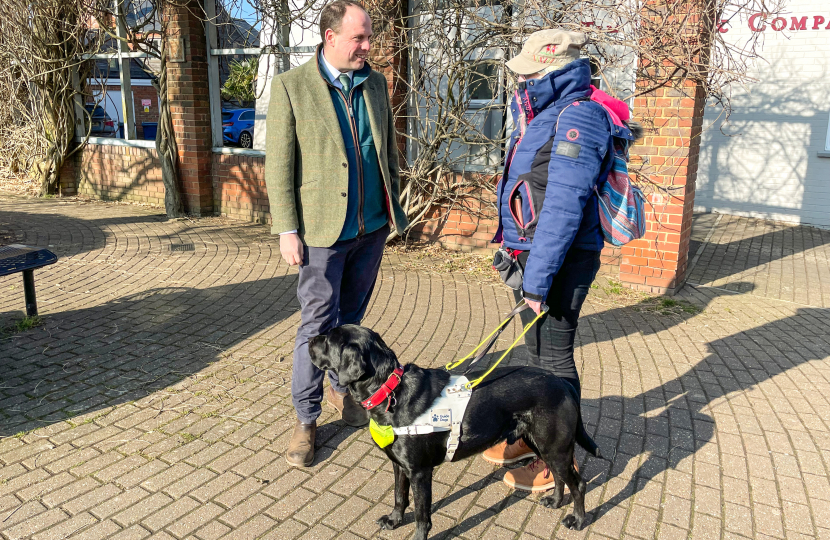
(523, 209)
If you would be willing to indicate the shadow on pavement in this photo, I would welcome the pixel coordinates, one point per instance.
(126, 349)
(670, 423)
(719, 261)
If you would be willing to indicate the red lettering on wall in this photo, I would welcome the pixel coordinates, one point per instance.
(722, 26)
(752, 23)
(757, 23)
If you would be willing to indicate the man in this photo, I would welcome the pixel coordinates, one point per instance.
(548, 210)
(331, 170)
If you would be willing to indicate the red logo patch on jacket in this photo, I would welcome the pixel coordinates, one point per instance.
(572, 135)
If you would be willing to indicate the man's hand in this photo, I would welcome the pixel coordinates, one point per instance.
(534, 305)
(291, 248)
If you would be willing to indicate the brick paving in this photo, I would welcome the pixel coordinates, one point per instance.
(153, 401)
(763, 258)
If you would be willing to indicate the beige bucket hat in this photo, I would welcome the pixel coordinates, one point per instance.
(547, 48)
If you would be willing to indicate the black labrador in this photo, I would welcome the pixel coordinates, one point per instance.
(510, 403)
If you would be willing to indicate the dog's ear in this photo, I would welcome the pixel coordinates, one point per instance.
(318, 350)
(352, 365)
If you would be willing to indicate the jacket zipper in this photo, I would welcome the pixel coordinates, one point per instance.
(361, 226)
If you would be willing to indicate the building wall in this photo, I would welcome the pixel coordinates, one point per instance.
(239, 187)
(119, 173)
(764, 160)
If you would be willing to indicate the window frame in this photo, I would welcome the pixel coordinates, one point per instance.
(827, 140)
(123, 55)
(273, 55)
(481, 103)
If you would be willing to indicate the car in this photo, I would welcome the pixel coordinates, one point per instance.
(238, 127)
(102, 124)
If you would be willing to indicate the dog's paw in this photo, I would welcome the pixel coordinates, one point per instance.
(387, 523)
(553, 501)
(573, 523)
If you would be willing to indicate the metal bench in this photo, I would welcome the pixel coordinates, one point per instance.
(19, 258)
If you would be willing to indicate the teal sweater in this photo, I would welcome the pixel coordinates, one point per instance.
(366, 210)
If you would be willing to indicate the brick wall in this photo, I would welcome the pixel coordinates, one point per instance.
(239, 187)
(118, 173)
(67, 183)
(466, 229)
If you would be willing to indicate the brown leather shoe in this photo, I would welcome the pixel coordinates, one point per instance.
(533, 477)
(300, 451)
(350, 411)
(505, 454)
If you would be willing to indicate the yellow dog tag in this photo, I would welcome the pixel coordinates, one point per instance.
(383, 435)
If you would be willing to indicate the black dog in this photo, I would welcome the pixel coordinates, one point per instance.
(510, 403)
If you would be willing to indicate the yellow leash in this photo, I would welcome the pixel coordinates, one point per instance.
(453, 365)
(519, 307)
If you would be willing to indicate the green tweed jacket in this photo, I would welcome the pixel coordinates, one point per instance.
(306, 169)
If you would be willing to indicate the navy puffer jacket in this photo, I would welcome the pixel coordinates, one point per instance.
(553, 172)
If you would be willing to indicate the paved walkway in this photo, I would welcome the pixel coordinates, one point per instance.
(154, 402)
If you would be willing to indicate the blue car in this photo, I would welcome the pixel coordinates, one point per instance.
(238, 127)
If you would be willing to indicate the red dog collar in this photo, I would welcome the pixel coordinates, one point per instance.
(385, 390)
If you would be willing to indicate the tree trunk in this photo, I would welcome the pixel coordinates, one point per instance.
(166, 141)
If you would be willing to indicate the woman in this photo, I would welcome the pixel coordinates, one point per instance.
(548, 215)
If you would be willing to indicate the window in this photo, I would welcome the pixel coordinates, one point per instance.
(617, 80)
(121, 100)
(483, 82)
(246, 49)
(596, 77)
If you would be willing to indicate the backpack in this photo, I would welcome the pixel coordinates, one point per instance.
(621, 204)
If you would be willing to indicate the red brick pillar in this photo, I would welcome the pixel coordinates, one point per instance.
(187, 72)
(669, 158)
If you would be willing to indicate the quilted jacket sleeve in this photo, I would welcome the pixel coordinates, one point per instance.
(580, 144)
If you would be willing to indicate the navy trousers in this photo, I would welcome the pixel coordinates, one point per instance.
(335, 286)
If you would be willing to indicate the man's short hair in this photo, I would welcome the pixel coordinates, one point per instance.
(332, 15)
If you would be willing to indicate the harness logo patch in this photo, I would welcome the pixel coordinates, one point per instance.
(572, 135)
(441, 417)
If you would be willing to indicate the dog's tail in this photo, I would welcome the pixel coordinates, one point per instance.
(585, 441)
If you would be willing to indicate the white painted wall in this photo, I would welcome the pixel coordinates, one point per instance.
(765, 161)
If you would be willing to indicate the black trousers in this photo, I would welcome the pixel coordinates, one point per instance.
(551, 340)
